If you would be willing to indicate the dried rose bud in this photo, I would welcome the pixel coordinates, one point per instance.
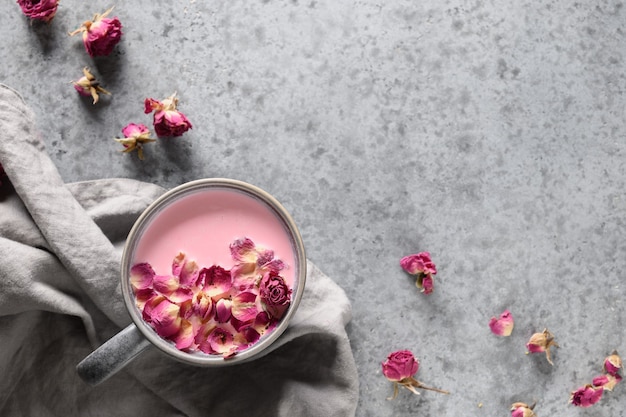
(502, 326)
(541, 342)
(606, 382)
(275, 294)
(421, 265)
(43, 10)
(101, 34)
(167, 120)
(400, 368)
(87, 85)
(613, 363)
(135, 136)
(522, 410)
(586, 396)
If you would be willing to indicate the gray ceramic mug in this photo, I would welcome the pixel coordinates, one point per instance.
(118, 351)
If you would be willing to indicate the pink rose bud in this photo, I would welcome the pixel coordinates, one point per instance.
(606, 382)
(586, 396)
(43, 10)
(167, 120)
(217, 281)
(163, 316)
(502, 326)
(135, 136)
(418, 263)
(87, 85)
(101, 34)
(542, 342)
(613, 364)
(400, 365)
(522, 410)
(221, 341)
(423, 267)
(223, 310)
(275, 294)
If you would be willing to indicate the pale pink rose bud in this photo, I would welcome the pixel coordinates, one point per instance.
(167, 120)
(43, 10)
(522, 410)
(542, 342)
(606, 382)
(418, 263)
(101, 34)
(135, 136)
(613, 363)
(87, 85)
(502, 326)
(400, 365)
(586, 396)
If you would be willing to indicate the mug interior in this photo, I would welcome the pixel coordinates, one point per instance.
(147, 227)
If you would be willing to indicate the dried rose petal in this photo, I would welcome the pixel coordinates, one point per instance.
(275, 294)
(244, 306)
(542, 342)
(184, 339)
(522, 410)
(400, 365)
(425, 283)
(135, 136)
(87, 85)
(163, 316)
(167, 120)
(613, 363)
(502, 326)
(221, 341)
(419, 263)
(141, 276)
(101, 34)
(223, 310)
(43, 10)
(217, 281)
(165, 284)
(606, 382)
(586, 396)
(187, 271)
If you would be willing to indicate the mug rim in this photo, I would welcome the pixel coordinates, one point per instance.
(170, 196)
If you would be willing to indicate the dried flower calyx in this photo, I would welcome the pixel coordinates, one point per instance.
(135, 136)
(520, 409)
(43, 10)
(422, 266)
(542, 342)
(87, 85)
(214, 310)
(167, 120)
(503, 325)
(400, 368)
(101, 34)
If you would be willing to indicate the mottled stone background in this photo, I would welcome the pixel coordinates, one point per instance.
(488, 133)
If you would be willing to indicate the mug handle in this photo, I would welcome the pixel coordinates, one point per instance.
(112, 355)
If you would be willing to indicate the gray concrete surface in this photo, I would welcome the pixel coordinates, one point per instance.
(488, 133)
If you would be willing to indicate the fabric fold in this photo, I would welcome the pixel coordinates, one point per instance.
(60, 295)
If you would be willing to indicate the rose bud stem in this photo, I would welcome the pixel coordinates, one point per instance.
(422, 386)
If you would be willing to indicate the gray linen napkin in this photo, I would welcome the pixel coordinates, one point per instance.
(60, 248)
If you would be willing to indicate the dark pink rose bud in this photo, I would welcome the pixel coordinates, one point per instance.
(135, 136)
(101, 34)
(43, 10)
(542, 342)
(586, 396)
(522, 410)
(421, 265)
(400, 365)
(167, 120)
(87, 85)
(613, 364)
(275, 294)
(400, 368)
